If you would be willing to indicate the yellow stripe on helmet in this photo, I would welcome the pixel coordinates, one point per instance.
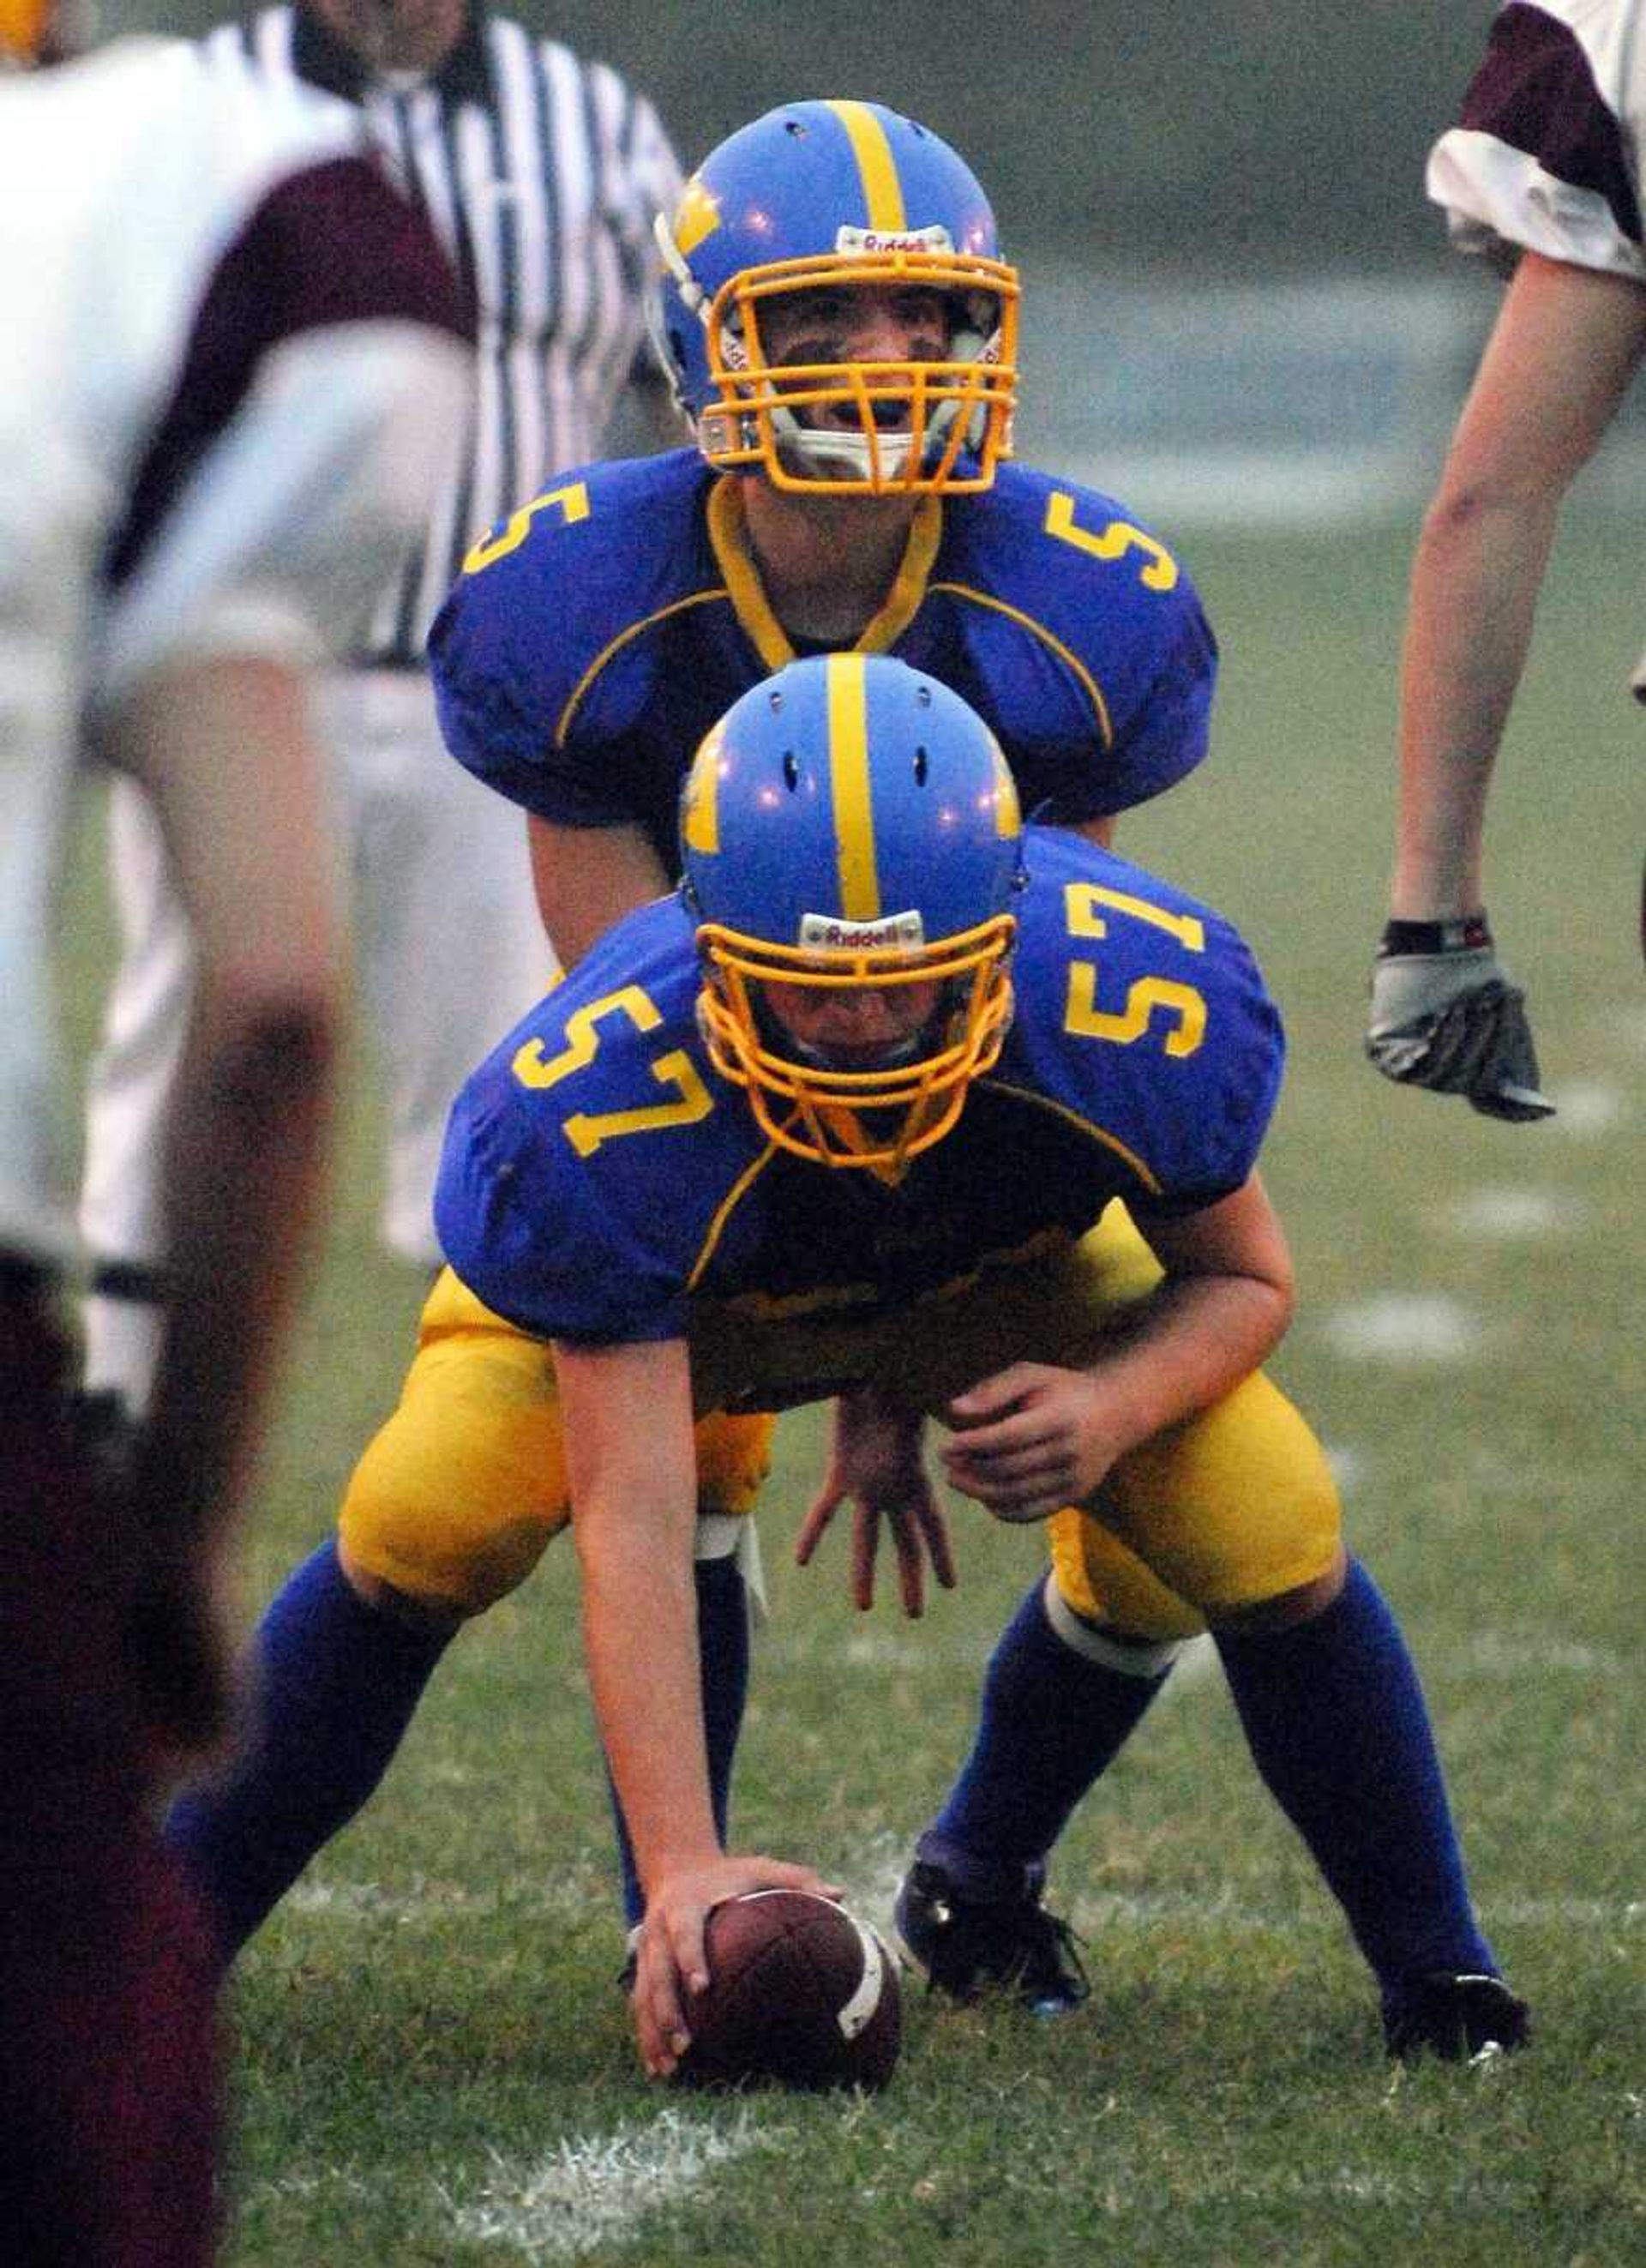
(696, 215)
(883, 192)
(849, 780)
(699, 821)
(1008, 812)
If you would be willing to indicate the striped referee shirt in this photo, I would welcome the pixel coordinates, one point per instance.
(540, 173)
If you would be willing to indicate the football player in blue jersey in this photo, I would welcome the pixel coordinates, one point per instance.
(841, 330)
(840, 1119)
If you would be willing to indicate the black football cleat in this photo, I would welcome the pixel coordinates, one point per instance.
(1459, 2018)
(966, 1947)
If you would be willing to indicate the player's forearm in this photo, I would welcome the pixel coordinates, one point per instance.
(631, 1462)
(1475, 579)
(1222, 1308)
(1192, 1341)
(640, 1645)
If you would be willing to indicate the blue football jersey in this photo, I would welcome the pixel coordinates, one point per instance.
(599, 1175)
(595, 636)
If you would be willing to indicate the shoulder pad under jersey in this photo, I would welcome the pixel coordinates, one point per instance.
(548, 594)
(585, 1157)
(1142, 1013)
(1105, 602)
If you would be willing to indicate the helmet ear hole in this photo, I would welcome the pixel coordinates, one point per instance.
(922, 764)
(792, 770)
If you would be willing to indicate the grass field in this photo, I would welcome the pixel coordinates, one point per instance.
(434, 2063)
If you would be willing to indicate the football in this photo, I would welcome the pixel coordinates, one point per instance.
(800, 1993)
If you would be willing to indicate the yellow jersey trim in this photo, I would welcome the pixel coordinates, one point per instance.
(1099, 706)
(1073, 1117)
(723, 1211)
(729, 539)
(563, 724)
(871, 1303)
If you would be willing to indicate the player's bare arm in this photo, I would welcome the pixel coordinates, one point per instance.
(1034, 1437)
(627, 1414)
(586, 878)
(1566, 346)
(1445, 1012)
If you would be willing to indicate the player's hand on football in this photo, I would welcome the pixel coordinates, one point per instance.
(670, 1960)
(877, 1463)
(1444, 1015)
(1030, 1439)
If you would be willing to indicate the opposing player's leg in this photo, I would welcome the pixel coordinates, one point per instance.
(449, 940)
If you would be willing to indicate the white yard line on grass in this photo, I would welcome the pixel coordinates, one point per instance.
(1521, 1653)
(1507, 1215)
(595, 2190)
(418, 1899)
(1587, 1107)
(1405, 1327)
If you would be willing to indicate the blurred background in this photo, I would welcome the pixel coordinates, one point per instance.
(1240, 306)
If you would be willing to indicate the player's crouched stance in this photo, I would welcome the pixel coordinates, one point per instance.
(838, 1120)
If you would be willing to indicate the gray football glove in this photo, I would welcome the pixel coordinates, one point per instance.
(1445, 1016)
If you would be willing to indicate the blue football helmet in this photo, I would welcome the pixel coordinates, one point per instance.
(816, 196)
(850, 846)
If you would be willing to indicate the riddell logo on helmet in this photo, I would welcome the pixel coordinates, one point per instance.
(934, 239)
(827, 933)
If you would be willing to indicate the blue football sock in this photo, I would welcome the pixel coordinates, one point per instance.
(1052, 1721)
(1337, 1726)
(722, 1646)
(336, 1684)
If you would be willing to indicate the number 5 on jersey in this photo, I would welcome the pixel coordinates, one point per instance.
(585, 1130)
(1183, 1008)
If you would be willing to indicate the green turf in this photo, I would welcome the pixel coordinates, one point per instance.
(433, 2060)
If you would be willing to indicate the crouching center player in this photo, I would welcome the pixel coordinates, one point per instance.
(839, 1119)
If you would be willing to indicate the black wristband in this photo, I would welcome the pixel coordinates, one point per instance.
(1467, 934)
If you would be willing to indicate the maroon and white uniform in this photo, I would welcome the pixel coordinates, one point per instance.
(1545, 154)
(233, 366)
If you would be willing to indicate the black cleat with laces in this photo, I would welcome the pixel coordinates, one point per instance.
(1459, 2018)
(966, 1946)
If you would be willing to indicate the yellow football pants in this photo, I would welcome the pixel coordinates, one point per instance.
(458, 1496)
